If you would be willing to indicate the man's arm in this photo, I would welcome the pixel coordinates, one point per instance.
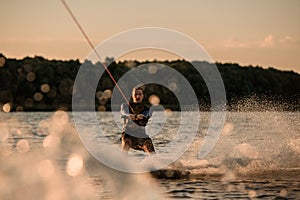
(125, 112)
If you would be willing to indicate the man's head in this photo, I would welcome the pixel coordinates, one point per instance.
(137, 94)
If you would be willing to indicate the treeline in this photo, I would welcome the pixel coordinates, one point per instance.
(39, 84)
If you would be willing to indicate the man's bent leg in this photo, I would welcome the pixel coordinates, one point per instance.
(148, 146)
(126, 144)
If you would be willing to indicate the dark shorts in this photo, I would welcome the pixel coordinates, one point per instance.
(136, 143)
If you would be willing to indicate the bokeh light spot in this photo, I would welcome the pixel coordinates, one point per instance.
(102, 100)
(20, 70)
(99, 94)
(283, 192)
(43, 124)
(172, 85)
(60, 117)
(6, 108)
(19, 109)
(30, 77)
(107, 94)
(101, 108)
(74, 165)
(23, 146)
(51, 141)
(45, 88)
(38, 96)
(28, 103)
(168, 112)
(246, 150)
(154, 99)
(227, 129)
(16, 132)
(152, 69)
(252, 194)
(2, 61)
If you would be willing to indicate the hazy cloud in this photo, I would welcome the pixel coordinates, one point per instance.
(288, 40)
(268, 41)
(233, 43)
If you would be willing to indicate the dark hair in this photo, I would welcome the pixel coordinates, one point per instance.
(138, 88)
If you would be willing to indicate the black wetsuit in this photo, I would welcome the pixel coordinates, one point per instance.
(135, 129)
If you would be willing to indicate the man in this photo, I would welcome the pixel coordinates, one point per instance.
(135, 118)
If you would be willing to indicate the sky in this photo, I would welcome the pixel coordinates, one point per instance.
(262, 33)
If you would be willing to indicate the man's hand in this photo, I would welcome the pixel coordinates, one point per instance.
(140, 116)
(132, 116)
(136, 117)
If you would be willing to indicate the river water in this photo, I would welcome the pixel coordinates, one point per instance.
(257, 156)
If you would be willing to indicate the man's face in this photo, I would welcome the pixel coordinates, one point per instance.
(137, 96)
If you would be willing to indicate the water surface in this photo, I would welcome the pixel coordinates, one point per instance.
(256, 157)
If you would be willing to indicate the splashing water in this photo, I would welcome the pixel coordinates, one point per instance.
(56, 164)
(256, 155)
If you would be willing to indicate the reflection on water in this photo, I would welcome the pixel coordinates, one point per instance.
(256, 157)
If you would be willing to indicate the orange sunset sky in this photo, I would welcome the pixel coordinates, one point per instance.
(256, 32)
